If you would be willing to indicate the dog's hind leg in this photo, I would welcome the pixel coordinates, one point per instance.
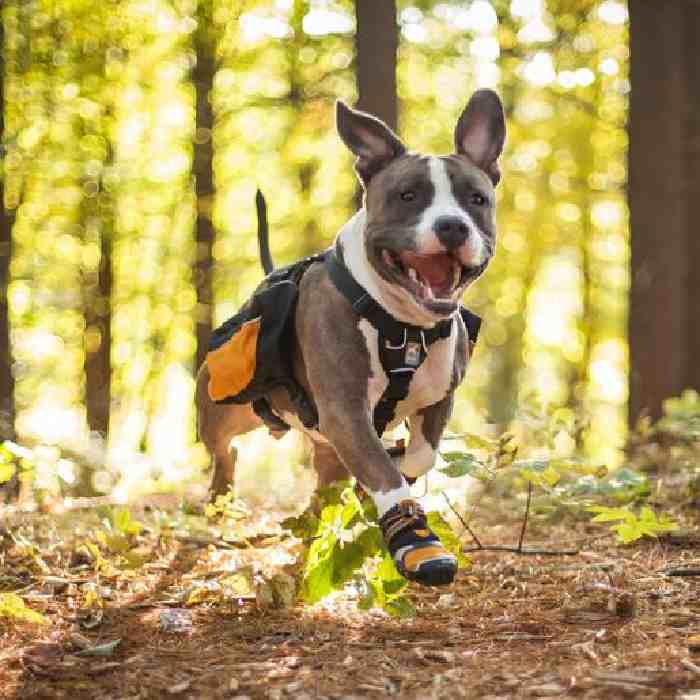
(217, 425)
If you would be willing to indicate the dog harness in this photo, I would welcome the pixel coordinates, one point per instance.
(402, 347)
(251, 353)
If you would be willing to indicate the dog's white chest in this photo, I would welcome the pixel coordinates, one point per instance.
(430, 382)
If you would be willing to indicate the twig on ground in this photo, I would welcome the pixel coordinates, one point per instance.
(527, 513)
(463, 521)
(682, 572)
(525, 551)
(204, 541)
(687, 663)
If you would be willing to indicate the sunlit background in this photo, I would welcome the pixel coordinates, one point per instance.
(100, 123)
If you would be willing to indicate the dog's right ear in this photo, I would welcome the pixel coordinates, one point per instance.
(369, 138)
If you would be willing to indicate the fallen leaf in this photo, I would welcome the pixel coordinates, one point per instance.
(105, 649)
(179, 687)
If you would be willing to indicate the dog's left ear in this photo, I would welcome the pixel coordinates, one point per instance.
(481, 132)
(369, 138)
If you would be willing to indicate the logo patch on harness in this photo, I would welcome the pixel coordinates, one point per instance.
(412, 356)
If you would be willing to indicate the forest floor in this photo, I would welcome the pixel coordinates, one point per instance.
(151, 615)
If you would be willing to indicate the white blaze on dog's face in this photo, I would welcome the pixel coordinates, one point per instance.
(429, 227)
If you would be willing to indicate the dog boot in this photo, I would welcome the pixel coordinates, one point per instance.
(417, 552)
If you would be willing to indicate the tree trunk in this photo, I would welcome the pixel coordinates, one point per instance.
(203, 78)
(664, 198)
(7, 384)
(376, 44)
(97, 311)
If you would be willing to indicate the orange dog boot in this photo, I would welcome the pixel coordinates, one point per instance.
(417, 552)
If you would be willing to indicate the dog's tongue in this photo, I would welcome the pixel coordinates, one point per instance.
(436, 270)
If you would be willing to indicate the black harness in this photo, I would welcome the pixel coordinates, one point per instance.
(402, 349)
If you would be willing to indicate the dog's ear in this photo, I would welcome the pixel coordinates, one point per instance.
(481, 132)
(369, 138)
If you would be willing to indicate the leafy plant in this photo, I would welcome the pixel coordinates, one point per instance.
(345, 544)
(14, 608)
(565, 482)
(632, 526)
(15, 459)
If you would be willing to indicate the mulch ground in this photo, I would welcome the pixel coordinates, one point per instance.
(609, 622)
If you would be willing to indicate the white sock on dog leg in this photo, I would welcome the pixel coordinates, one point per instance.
(386, 500)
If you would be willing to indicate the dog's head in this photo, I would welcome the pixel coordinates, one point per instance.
(430, 227)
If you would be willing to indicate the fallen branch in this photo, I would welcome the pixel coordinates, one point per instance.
(515, 549)
(687, 663)
(682, 572)
(243, 543)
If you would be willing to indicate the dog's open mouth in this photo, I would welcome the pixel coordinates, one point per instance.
(432, 279)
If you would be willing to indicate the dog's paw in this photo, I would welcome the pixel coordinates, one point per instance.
(417, 552)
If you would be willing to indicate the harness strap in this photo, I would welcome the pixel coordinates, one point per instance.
(402, 347)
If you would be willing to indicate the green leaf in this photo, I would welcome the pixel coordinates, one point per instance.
(124, 523)
(303, 526)
(571, 466)
(14, 608)
(447, 536)
(7, 471)
(606, 514)
(384, 590)
(318, 580)
(461, 464)
(400, 606)
(633, 527)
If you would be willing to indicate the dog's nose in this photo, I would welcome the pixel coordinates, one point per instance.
(451, 231)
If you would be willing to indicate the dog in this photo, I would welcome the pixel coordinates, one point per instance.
(378, 335)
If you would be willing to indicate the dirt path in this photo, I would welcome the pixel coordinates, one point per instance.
(607, 623)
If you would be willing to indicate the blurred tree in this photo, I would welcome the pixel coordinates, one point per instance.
(97, 221)
(7, 389)
(664, 198)
(203, 74)
(376, 45)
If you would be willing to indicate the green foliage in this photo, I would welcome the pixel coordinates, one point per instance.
(447, 536)
(227, 506)
(384, 589)
(13, 608)
(124, 524)
(7, 465)
(632, 526)
(681, 416)
(346, 545)
(575, 484)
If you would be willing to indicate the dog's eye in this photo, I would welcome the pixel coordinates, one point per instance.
(478, 199)
(408, 196)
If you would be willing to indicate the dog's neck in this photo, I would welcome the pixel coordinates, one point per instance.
(394, 299)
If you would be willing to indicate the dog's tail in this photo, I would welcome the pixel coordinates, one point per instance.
(263, 239)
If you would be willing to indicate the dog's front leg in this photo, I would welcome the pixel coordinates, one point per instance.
(348, 429)
(426, 428)
(339, 373)
(415, 549)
